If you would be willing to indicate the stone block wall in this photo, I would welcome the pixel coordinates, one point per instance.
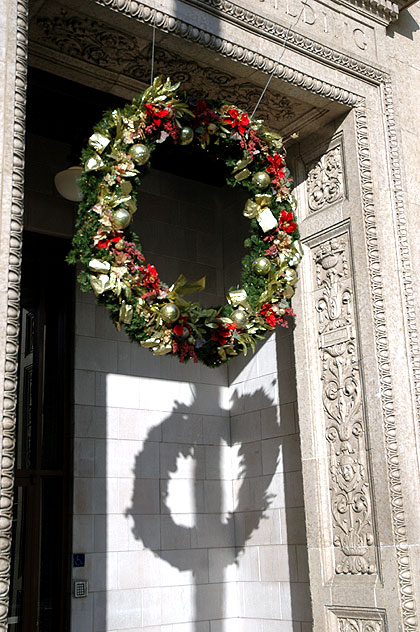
(187, 486)
(187, 492)
(270, 535)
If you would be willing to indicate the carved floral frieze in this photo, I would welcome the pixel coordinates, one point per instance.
(95, 42)
(324, 180)
(359, 625)
(355, 619)
(342, 397)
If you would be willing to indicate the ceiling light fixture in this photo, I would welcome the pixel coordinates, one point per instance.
(66, 183)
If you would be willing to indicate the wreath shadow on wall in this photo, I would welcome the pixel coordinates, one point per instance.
(228, 532)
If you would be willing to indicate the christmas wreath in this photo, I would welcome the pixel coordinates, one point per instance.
(157, 315)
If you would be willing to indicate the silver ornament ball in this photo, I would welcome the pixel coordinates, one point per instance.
(261, 179)
(140, 153)
(186, 135)
(240, 318)
(169, 313)
(122, 218)
(261, 266)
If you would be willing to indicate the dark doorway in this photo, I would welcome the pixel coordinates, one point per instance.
(41, 525)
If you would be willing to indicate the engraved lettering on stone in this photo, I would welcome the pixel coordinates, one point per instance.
(360, 625)
(359, 38)
(324, 182)
(309, 16)
(350, 487)
(303, 9)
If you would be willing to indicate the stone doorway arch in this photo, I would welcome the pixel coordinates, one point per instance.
(351, 457)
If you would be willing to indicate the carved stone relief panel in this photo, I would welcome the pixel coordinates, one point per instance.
(350, 483)
(345, 619)
(84, 38)
(325, 179)
(359, 625)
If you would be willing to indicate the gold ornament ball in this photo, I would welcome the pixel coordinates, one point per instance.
(212, 128)
(261, 266)
(169, 313)
(140, 154)
(186, 135)
(240, 318)
(288, 291)
(261, 179)
(122, 218)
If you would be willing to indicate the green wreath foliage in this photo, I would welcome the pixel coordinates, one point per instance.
(156, 315)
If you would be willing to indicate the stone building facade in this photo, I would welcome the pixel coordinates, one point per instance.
(281, 493)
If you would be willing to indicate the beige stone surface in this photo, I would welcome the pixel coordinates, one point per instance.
(349, 79)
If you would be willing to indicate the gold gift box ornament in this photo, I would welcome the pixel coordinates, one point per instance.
(260, 208)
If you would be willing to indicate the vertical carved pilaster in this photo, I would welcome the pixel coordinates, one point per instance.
(342, 396)
(11, 350)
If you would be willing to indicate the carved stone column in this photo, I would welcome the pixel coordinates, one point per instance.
(357, 515)
(13, 50)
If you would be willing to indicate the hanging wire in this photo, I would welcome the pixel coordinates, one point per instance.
(153, 50)
(278, 61)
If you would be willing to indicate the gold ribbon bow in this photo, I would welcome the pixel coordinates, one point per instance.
(240, 172)
(126, 313)
(238, 298)
(157, 345)
(99, 142)
(94, 163)
(100, 284)
(111, 200)
(255, 207)
(100, 267)
(181, 287)
(297, 250)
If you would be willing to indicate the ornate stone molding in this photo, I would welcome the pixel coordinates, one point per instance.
(276, 32)
(405, 268)
(387, 9)
(346, 624)
(406, 591)
(98, 43)
(13, 311)
(358, 619)
(325, 179)
(342, 397)
(254, 59)
(270, 30)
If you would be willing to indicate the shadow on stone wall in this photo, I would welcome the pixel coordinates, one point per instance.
(212, 528)
(406, 25)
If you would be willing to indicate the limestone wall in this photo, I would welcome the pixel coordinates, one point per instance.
(337, 55)
(187, 492)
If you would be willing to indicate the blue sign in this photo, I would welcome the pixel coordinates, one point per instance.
(78, 560)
